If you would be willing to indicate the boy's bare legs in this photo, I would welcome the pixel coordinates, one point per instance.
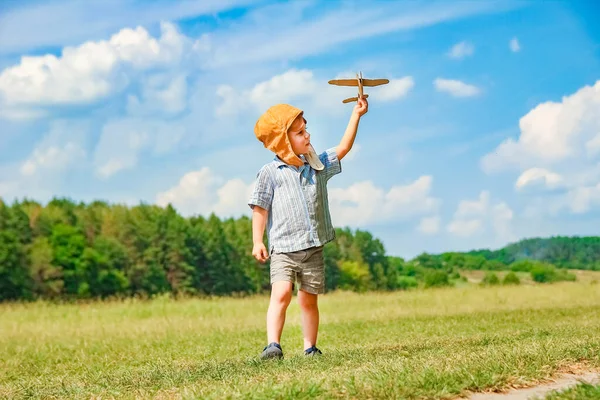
(310, 317)
(281, 295)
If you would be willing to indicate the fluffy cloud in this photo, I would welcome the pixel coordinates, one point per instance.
(301, 84)
(429, 225)
(297, 37)
(552, 132)
(455, 88)
(476, 217)
(537, 175)
(396, 89)
(593, 146)
(284, 88)
(559, 146)
(202, 192)
(60, 148)
(161, 94)
(364, 203)
(90, 71)
(52, 157)
(32, 25)
(122, 141)
(514, 45)
(59, 155)
(461, 50)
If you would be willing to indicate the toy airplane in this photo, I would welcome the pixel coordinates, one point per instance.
(360, 82)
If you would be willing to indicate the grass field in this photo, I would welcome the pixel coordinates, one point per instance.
(438, 343)
(580, 392)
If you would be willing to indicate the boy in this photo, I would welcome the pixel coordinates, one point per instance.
(290, 198)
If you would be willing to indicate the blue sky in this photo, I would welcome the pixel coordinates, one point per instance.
(488, 132)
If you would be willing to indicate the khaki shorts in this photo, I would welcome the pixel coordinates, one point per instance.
(306, 267)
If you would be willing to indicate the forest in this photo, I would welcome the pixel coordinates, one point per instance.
(66, 250)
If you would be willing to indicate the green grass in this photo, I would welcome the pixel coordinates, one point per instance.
(583, 391)
(438, 343)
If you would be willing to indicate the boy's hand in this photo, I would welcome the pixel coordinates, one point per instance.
(259, 251)
(361, 107)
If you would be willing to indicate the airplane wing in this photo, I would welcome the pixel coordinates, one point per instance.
(344, 82)
(375, 82)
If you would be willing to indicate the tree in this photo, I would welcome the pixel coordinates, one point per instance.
(354, 276)
(15, 282)
(68, 245)
(47, 278)
(511, 279)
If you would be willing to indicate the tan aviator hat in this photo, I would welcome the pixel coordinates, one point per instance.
(271, 129)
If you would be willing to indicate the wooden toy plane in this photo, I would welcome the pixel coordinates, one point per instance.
(360, 82)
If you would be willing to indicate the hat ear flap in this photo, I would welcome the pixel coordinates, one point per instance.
(314, 160)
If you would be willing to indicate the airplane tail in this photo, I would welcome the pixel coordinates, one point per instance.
(350, 99)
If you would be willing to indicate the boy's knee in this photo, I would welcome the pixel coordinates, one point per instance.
(281, 293)
(307, 301)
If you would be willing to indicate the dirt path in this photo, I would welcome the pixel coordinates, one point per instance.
(562, 382)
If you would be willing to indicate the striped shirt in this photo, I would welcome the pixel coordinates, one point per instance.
(296, 198)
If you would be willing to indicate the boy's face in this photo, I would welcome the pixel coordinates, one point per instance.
(299, 137)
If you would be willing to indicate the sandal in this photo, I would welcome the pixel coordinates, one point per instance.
(312, 351)
(272, 350)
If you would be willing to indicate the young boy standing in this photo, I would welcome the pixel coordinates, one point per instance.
(290, 199)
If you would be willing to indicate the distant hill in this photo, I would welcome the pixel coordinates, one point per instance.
(562, 251)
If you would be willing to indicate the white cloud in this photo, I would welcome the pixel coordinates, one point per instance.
(29, 25)
(20, 114)
(161, 94)
(297, 85)
(284, 88)
(52, 157)
(470, 208)
(90, 71)
(465, 227)
(593, 146)
(60, 148)
(455, 88)
(429, 225)
(59, 156)
(287, 86)
(122, 141)
(581, 199)
(478, 216)
(558, 145)
(297, 37)
(397, 88)
(8, 189)
(551, 133)
(364, 203)
(501, 220)
(203, 192)
(535, 175)
(461, 50)
(514, 45)
(356, 147)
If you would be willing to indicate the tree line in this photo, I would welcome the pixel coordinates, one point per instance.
(67, 250)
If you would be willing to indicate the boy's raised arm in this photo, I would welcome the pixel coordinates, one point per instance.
(259, 221)
(360, 109)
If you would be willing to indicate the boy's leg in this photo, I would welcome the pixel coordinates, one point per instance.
(310, 317)
(312, 283)
(281, 295)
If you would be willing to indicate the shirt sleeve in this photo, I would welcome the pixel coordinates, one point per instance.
(262, 195)
(331, 162)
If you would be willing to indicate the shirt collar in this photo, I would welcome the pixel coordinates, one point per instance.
(279, 163)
